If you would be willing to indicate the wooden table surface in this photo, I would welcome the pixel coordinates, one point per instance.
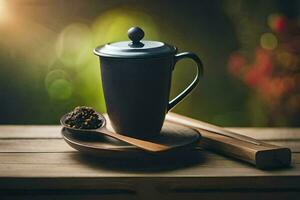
(36, 163)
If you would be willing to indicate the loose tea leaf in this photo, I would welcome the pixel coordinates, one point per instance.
(83, 117)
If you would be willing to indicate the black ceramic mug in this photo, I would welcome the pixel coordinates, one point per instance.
(136, 78)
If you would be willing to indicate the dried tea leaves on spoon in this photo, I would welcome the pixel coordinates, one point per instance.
(83, 117)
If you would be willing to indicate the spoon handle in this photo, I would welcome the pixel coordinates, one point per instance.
(142, 144)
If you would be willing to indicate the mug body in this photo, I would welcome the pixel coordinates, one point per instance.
(136, 93)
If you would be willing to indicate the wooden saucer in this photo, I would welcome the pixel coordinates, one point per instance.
(181, 138)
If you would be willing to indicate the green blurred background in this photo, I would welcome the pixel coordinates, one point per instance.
(47, 65)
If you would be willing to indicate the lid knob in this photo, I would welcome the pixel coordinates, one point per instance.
(135, 34)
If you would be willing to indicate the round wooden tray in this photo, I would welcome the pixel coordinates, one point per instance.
(181, 138)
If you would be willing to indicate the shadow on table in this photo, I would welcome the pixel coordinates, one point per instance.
(145, 163)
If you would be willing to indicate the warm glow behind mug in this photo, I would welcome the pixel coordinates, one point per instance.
(136, 78)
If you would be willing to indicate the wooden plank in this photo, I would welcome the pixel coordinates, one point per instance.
(30, 131)
(60, 165)
(205, 159)
(262, 155)
(47, 196)
(40, 158)
(201, 194)
(160, 183)
(53, 131)
(74, 157)
(21, 157)
(269, 133)
(34, 145)
(58, 145)
(87, 168)
(68, 157)
(245, 195)
(69, 194)
(215, 162)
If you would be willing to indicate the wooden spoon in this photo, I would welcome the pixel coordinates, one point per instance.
(142, 144)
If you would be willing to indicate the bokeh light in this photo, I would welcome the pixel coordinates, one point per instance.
(3, 11)
(236, 63)
(54, 75)
(60, 89)
(287, 60)
(74, 45)
(273, 73)
(58, 85)
(277, 22)
(268, 41)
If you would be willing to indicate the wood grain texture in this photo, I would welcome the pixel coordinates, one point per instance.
(77, 165)
(36, 163)
(35, 131)
(261, 154)
(68, 195)
(70, 158)
(53, 131)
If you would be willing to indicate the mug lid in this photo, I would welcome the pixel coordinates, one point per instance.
(136, 48)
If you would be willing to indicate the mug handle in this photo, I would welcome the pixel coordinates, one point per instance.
(187, 90)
